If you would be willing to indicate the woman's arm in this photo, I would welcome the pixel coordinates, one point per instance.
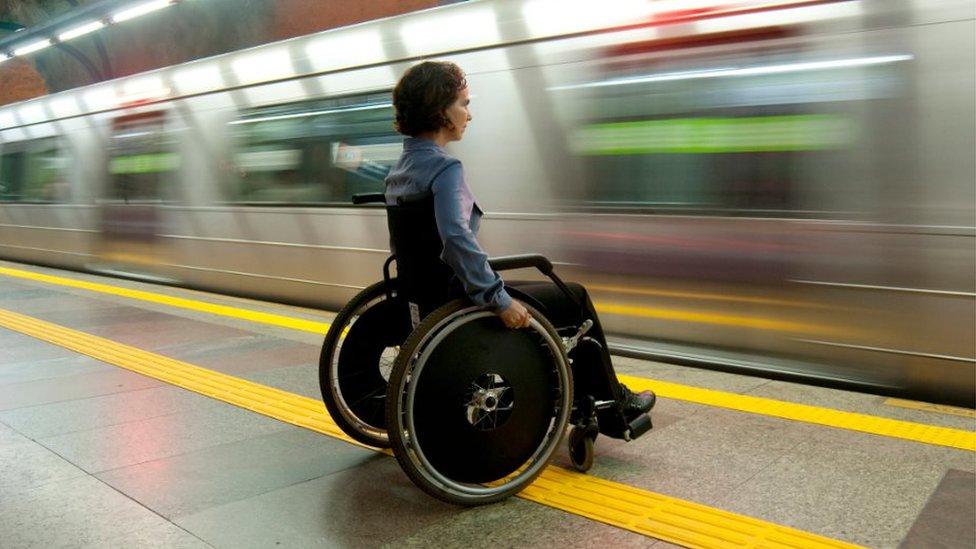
(453, 203)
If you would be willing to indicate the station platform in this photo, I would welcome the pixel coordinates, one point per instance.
(134, 414)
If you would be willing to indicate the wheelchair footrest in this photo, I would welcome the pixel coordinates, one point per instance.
(640, 425)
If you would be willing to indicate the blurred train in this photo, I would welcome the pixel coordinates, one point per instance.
(778, 187)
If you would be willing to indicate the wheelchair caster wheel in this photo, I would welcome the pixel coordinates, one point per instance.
(581, 449)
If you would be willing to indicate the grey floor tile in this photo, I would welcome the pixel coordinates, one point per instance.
(156, 335)
(82, 512)
(85, 414)
(889, 448)
(87, 318)
(949, 517)
(14, 291)
(841, 492)
(243, 355)
(40, 369)
(364, 506)
(520, 523)
(116, 446)
(301, 380)
(18, 348)
(26, 464)
(99, 382)
(167, 536)
(196, 481)
(862, 403)
(54, 299)
(700, 458)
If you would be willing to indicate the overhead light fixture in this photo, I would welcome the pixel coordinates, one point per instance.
(263, 66)
(80, 31)
(199, 78)
(65, 106)
(7, 119)
(437, 32)
(346, 49)
(31, 113)
(31, 48)
(141, 9)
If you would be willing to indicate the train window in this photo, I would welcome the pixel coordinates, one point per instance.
(316, 152)
(760, 133)
(33, 171)
(142, 159)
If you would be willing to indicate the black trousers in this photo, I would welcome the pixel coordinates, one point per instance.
(593, 372)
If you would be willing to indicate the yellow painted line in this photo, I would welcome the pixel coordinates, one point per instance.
(929, 407)
(641, 511)
(720, 319)
(874, 425)
(178, 302)
(917, 432)
(703, 296)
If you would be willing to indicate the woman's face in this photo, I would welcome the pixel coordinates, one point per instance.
(458, 114)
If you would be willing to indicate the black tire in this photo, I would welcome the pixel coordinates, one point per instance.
(361, 363)
(480, 454)
(580, 449)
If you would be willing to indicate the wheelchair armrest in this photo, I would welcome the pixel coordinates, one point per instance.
(509, 262)
(541, 262)
(367, 198)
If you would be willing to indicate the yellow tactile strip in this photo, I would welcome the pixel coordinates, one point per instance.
(917, 432)
(178, 302)
(929, 407)
(640, 511)
(720, 319)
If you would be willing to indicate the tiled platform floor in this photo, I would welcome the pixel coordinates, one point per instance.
(93, 455)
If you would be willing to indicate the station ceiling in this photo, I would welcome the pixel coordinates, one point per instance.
(186, 31)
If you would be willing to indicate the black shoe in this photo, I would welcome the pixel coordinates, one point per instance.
(635, 404)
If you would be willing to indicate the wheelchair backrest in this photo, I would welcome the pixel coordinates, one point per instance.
(423, 279)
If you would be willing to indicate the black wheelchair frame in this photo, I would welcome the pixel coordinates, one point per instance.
(472, 410)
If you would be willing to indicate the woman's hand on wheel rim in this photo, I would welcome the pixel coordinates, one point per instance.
(515, 315)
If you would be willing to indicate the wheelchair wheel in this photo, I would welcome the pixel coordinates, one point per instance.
(356, 360)
(581, 449)
(475, 410)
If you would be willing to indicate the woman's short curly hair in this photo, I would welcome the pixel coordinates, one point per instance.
(424, 93)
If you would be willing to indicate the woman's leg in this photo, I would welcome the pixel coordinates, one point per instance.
(592, 366)
(560, 310)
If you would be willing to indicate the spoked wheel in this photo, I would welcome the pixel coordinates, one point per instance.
(356, 360)
(475, 410)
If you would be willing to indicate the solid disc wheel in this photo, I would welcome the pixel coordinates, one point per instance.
(356, 360)
(580, 450)
(475, 409)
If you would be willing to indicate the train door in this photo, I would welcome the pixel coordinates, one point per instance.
(142, 165)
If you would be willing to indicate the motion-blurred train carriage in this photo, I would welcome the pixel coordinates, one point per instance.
(779, 187)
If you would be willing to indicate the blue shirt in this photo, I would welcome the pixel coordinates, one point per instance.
(426, 167)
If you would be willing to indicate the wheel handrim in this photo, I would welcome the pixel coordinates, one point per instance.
(546, 446)
(348, 408)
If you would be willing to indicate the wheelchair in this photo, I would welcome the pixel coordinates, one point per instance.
(472, 410)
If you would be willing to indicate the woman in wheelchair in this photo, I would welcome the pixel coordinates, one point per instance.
(472, 407)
